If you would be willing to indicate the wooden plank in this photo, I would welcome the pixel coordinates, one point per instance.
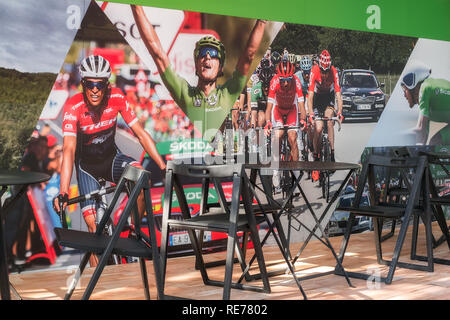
(123, 282)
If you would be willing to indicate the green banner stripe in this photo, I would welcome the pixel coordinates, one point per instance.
(423, 19)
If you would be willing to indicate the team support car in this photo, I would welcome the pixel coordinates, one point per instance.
(362, 96)
(337, 224)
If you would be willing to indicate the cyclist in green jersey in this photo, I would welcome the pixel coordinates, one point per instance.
(206, 104)
(433, 98)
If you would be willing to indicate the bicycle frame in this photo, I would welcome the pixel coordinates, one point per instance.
(325, 153)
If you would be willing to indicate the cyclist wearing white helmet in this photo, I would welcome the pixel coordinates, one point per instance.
(304, 72)
(433, 98)
(89, 127)
(205, 102)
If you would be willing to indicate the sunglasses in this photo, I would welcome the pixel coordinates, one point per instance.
(409, 80)
(287, 79)
(213, 52)
(100, 85)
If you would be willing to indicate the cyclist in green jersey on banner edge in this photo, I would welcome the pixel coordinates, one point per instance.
(433, 98)
(207, 104)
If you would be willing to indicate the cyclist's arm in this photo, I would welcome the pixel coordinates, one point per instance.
(310, 102)
(150, 38)
(69, 147)
(269, 111)
(300, 98)
(339, 102)
(422, 129)
(337, 90)
(148, 144)
(245, 60)
(249, 104)
(241, 102)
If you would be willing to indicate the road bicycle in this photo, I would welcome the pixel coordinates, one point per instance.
(325, 155)
(286, 181)
(99, 196)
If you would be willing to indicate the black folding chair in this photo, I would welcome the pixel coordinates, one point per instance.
(437, 202)
(227, 220)
(133, 181)
(380, 210)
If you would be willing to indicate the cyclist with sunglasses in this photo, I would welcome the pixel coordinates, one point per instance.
(285, 102)
(89, 129)
(206, 102)
(433, 98)
(323, 91)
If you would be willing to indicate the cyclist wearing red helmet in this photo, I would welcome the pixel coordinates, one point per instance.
(283, 104)
(323, 90)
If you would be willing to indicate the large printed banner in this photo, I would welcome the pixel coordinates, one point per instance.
(167, 24)
(425, 19)
(373, 44)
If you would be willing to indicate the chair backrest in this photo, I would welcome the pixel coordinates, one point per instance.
(382, 172)
(132, 181)
(213, 173)
(205, 171)
(133, 174)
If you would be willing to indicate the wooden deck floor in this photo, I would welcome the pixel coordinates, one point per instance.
(123, 282)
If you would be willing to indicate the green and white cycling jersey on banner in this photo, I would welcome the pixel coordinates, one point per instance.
(206, 113)
(435, 103)
(435, 99)
(257, 94)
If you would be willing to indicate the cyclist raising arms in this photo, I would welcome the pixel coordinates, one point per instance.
(323, 90)
(89, 127)
(207, 102)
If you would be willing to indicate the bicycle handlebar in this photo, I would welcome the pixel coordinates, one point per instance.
(62, 212)
(285, 127)
(92, 195)
(335, 119)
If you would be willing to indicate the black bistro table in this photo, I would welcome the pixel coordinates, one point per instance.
(303, 166)
(10, 178)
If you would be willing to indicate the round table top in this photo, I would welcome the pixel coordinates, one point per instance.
(17, 177)
(440, 155)
(306, 165)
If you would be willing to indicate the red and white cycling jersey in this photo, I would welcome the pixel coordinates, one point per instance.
(285, 99)
(95, 127)
(326, 85)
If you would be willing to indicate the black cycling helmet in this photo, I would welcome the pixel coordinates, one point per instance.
(265, 75)
(275, 58)
(264, 64)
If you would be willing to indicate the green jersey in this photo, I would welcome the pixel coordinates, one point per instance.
(434, 104)
(435, 99)
(258, 97)
(207, 113)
